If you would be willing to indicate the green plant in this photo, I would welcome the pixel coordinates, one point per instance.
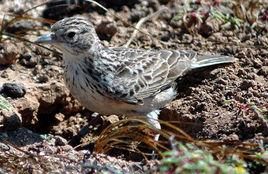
(4, 104)
(187, 158)
(228, 14)
(227, 19)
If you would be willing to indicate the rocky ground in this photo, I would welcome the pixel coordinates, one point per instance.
(226, 103)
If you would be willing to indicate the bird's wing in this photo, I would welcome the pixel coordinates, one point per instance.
(144, 73)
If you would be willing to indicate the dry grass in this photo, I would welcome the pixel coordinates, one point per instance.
(122, 134)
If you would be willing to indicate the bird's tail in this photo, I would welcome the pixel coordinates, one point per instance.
(204, 61)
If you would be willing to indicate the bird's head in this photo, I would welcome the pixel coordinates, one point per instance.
(73, 36)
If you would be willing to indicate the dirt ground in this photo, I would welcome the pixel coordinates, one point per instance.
(220, 103)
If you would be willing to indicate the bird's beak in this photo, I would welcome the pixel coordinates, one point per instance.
(48, 39)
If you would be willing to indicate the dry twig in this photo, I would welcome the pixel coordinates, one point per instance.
(141, 21)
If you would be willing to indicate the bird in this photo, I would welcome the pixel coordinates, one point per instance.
(120, 80)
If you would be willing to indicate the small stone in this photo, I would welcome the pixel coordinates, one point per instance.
(21, 26)
(231, 137)
(42, 78)
(241, 72)
(59, 141)
(257, 63)
(9, 53)
(265, 62)
(4, 74)
(11, 120)
(28, 60)
(200, 107)
(153, 4)
(187, 38)
(165, 37)
(247, 84)
(251, 76)
(222, 81)
(60, 117)
(106, 30)
(111, 119)
(205, 30)
(27, 107)
(264, 71)
(136, 16)
(13, 90)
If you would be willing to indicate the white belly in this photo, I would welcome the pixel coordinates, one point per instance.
(85, 92)
(89, 97)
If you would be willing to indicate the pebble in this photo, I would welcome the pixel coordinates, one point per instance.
(59, 141)
(247, 84)
(264, 71)
(59, 117)
(136, 16)
(257, 63)
(106, 30)
(29, 60)
(222, 81)
(4, 74)
(205, 30)
(42, 78)
(166, 37)
(13, 90)
(187, 38)
(21, 26)
(11, 120)
(9, 52)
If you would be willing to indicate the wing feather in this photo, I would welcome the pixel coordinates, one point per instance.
(143, 73)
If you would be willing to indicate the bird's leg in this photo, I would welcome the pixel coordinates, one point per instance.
(152, 118)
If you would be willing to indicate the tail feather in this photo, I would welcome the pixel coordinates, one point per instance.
(204, 61)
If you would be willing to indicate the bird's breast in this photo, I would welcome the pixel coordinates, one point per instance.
(84, 89)
(89, 93)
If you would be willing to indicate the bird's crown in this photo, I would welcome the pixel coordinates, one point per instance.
(73, 35)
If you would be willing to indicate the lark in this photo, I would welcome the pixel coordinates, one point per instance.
(119, 80)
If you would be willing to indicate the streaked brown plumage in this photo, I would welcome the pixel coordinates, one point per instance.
(122, 81)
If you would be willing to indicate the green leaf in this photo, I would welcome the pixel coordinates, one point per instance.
(171, 160)
(4, 104)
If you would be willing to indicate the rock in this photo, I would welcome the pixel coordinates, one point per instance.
(22, 137)
(187, 38)
(264, 71)
(59, 141)
(28, 107)
(106, 30)
(205, 30)
(4, 74)
(10, 119)
(52, 98)
(166, 37)
(42, 78)
(247, 84)
(222, 81)
(9, 52)
(154, 4)
(13, 90)
(21, 26)
(257, 63)
(135, 16)
(111, 119)
(59, 117)
(28, 60)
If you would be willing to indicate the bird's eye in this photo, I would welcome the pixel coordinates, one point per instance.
(71, 35)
